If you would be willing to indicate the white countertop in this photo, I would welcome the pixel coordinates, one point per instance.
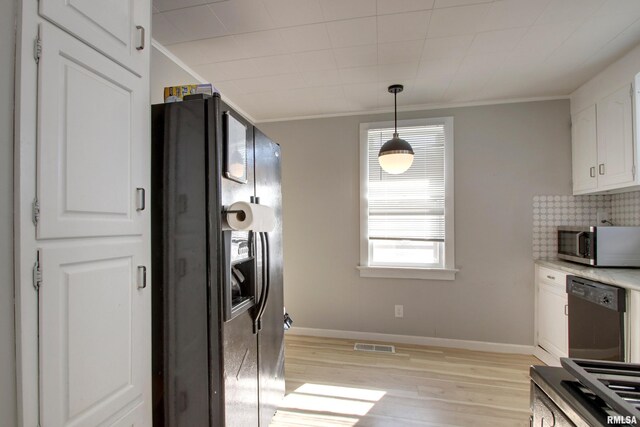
(624, 277)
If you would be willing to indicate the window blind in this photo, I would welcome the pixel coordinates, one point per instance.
(408, 206)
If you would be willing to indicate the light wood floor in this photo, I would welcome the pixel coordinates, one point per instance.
(329, 384)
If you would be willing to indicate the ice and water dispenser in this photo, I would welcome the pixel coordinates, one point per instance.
(245, 236)
(240, 272)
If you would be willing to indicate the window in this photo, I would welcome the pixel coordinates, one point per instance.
(407, 219)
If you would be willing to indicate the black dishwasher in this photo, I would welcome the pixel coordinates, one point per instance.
(596, 320)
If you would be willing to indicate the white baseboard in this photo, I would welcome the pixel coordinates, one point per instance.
(547, 358)
(416, 340)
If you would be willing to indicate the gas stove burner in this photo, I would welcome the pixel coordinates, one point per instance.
(616, 383)
(586, 393)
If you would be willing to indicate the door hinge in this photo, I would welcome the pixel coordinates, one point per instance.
(37, 48)
(37, 272)
(633, 171)
(35, 212)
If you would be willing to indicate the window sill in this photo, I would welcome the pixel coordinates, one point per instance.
(408, 273)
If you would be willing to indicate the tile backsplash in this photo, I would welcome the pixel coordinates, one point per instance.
(625, 208)
(553, 210)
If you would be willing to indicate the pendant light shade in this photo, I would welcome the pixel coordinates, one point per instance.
(396, 155)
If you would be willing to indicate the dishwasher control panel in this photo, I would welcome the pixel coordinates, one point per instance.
(604, 295)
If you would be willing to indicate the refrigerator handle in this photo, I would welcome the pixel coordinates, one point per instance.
(264, 249)
(263, 284)
(267, 278)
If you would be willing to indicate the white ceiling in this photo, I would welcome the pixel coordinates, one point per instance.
(291, 58)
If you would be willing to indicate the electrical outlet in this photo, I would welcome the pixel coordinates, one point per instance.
(399, 310)
(603, 217)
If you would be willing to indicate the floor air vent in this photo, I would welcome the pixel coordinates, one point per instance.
(377, 348)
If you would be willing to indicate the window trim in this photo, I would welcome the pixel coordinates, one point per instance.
(449, 270)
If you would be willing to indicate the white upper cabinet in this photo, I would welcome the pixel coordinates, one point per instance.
(584, 151)
(612, 99)
(603, 146)
(117, 28)
(615, 140)
(92, 133)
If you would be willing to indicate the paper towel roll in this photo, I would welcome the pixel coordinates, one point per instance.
(253, 217)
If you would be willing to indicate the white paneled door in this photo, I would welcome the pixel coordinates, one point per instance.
(118, 28)
(92, 237)
(552, 319)
(584, 150)
(93, 334)
(92, 121)
(615, 140)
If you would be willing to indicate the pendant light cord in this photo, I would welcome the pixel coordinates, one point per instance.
(395, 111)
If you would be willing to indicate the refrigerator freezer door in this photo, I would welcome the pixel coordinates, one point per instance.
(271, 336)
(179, 249)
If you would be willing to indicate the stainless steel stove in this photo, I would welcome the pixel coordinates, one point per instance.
(585, 393)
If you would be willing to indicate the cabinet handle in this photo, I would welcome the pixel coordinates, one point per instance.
(142, 277)
(142, 37)
(601, 168)
(141, 202)
(566, 309)
(592, 171)
(551, 277)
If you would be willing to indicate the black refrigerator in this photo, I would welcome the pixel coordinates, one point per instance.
(217, 293)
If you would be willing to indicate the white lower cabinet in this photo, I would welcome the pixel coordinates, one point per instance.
(633, 320)
(94, 334)
(551, 318)
(552, 336)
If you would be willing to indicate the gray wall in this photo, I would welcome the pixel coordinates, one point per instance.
(165, 72)
(504, 155)
(7, 341)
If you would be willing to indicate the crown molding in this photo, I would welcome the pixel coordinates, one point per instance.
(421, 107)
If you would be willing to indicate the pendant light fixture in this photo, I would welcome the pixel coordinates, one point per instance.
(396, 155)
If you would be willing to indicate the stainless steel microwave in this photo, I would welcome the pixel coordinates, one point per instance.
(600, 246)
